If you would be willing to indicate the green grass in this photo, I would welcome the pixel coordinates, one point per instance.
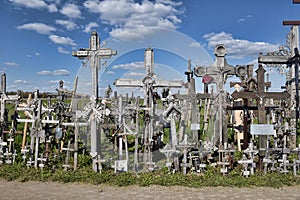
(211, 178)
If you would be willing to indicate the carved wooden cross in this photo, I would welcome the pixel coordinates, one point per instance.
(219, 71)
(260, 95)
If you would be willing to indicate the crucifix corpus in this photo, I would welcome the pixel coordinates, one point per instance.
(94, 54)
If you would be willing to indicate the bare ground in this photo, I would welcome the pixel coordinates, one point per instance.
(54, 190)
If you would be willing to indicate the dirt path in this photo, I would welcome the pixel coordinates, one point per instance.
(64, 191)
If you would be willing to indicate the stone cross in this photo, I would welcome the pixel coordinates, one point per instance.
(93, 54)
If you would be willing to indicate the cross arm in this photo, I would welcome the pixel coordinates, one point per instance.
(171, 84)
(273, 59)
(256, 95)
(128, 83)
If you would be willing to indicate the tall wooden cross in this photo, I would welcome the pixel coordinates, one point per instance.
(260, 95)
(93, 54)
(192, 97)
(219, 71)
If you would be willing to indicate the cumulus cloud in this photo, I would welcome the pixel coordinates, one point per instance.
(135, 74)
(21, 81)
(195, 44)
(133, 65)
(237, 48)
(127, 15)
(11, 64)
(68, 24)
(62, 50)
(90, 26)
(110, 72)
(52, 8)
(38, 27)
(30, 3)
(62, 40)
(71, 10)
(35, 4)
(58, 72)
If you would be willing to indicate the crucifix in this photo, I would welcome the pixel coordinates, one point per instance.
(149, 83)
(260, 95)
(93, 54)
(249, 84)
(219, 71)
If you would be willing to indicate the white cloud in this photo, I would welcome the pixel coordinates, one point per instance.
(241, 20)
(110, 72)
(69, 25)
(71, 10)
(127, 15)
(89, 27)
(195, 44)
(11, 64)
(237, 48)
(52, 8)
(35, 4)
(62, 40)
(38, 27)
(21, 81)
(62, 50)
(37, 53)
(30, 3)
(59, 72)
(44, 72)
(135, 74)
(133, 65)
(244, 19)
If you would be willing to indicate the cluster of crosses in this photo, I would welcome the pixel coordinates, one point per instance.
(165, 127)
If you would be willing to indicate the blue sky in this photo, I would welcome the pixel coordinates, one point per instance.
(38, 36)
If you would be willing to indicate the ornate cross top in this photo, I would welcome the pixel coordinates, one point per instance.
(93, 54)
(220, 69)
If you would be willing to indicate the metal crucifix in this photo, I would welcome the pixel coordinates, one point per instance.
(93, 54)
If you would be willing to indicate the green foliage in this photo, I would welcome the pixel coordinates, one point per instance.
(211, 178)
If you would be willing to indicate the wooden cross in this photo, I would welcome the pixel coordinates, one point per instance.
(260, 95)
(219, 71)
(192, 97)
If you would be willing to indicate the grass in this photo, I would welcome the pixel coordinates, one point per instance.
(211, 178)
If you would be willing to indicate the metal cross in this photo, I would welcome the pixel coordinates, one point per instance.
(93, 54)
